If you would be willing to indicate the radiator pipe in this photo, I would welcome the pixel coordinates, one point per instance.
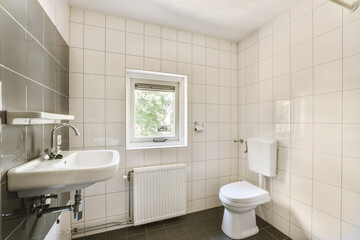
(75, 231)
(129, 175)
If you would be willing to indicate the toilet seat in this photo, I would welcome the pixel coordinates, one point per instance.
(243, 193)
(240, 200)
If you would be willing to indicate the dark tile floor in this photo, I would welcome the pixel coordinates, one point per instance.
(204, 225)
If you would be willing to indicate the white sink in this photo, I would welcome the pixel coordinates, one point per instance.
(76, 170)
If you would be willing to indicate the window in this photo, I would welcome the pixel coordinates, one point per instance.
(156, 110)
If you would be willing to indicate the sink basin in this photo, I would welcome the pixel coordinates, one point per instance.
(76, 170)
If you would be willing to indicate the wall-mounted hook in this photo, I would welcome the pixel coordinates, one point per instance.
(246, 147)
(242, 141)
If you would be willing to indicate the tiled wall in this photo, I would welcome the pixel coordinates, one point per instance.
(59, 13)
(34, 62)
(299, 82)
(101, 48)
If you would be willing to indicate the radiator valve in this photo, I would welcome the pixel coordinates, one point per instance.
(128, 176)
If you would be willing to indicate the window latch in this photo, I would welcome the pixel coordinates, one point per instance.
(159, 140)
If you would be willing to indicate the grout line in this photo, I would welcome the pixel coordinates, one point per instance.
(313, 120)
(16, 228)
(105, 125)
(35, 39)
(23, 76)
(342, 123)
(290, 97)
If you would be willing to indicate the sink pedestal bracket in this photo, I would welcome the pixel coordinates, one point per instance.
(44, 207)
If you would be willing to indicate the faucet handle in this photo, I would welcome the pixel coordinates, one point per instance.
(47, 151)
(48, 154)
(57, 149)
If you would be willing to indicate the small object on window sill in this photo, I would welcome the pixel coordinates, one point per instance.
(159, 140)
(199, 126)
(164, 129)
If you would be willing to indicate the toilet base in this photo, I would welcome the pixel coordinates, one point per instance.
(239, 225)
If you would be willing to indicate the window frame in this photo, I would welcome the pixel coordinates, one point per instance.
(180, 82)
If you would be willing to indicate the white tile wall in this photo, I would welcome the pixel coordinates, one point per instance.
(307, 96)
(101, 48)
(60, 230)
(297, 79)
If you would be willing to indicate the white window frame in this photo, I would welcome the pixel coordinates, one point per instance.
(180, 81)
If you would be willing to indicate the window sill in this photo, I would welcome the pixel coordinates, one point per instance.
(152, 145)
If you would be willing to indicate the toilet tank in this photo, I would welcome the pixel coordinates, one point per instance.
(262, 153)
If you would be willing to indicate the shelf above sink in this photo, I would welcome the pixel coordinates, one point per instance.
(33, 118)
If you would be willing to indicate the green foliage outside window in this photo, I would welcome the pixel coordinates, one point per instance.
(154, 113)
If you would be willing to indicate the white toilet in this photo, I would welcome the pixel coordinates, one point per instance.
(241, 198)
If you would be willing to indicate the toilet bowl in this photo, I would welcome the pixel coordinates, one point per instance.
(240, 200)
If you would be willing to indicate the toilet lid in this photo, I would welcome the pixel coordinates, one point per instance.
(243, 191)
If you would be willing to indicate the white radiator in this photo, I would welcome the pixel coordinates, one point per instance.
(159, 193)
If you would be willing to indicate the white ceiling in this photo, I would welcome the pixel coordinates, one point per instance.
(229, 19)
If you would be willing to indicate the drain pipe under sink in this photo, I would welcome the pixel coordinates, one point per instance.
(43, 207)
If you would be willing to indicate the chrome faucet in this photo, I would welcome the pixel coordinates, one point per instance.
(53, 151)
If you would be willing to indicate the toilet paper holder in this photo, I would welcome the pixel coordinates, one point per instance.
(199, 126)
